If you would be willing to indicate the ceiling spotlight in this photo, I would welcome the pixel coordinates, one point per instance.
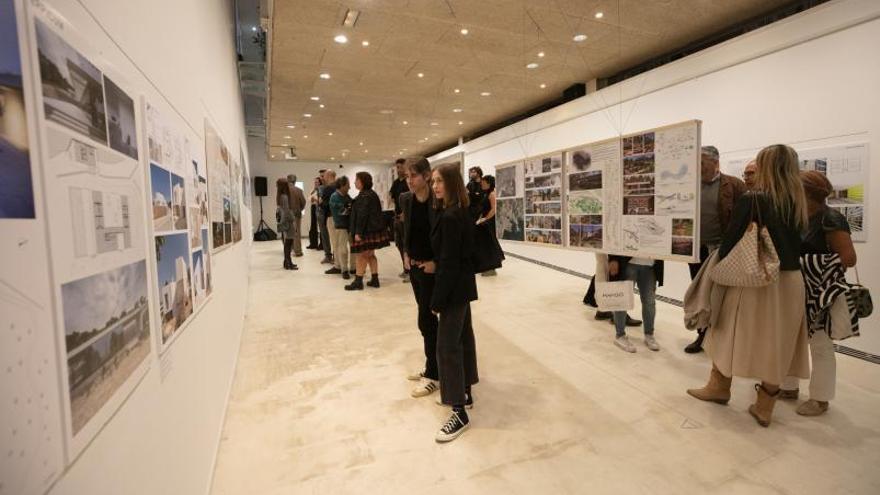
(434, 124)
(456, 91)
(324, 75)
(532, 65)
(420, 74)
(366, 151)
(351, 18)
(365, 43)
(306, 136)
(307, 115)
(599, 15)
(321, 105)
(315, 98)
(332, 157)
(287, 137)
(286, 144)
(254, 29)
(543, 85)
(405, 122)
(361, 143)
(460, 123)
(485, 93)
(386, 111)
(329, 133)
(290, 126)
(540, 54)
(580, 37)
(341, 39)
(456, 110)
(464, 31)
(273, 156)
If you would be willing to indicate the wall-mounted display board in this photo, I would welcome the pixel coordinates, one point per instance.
(221, 191)
(94, 180)
(637, 195)
(846, 167)
(179, 204)
(31, 429)
(510, 205)
(543, 199)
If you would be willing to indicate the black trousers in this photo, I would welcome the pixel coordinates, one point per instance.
(456, 353)
(313, 230)
(423, 288)
(288, 247)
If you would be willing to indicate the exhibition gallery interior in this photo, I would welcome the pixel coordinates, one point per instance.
(439, 246)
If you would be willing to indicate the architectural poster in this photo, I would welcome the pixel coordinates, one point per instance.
(219, 165)
(94, 175)
(591, 174)
(510, 206)
(543, 199)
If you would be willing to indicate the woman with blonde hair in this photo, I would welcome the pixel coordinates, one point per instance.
(761, 332)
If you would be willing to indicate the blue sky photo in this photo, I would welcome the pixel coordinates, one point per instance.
(175, 246)
(161, 182)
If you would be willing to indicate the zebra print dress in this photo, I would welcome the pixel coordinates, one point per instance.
(825, 281)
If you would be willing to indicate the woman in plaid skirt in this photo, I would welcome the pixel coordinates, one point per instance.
(368, 231)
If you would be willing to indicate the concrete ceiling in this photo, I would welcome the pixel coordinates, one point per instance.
(376, 107)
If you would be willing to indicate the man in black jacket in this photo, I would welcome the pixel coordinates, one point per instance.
(399, 187)
(417, 218)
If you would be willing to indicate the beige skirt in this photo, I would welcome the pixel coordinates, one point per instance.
(761, 332)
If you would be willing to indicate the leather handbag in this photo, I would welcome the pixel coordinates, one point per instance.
(753, 261)
(862, 298)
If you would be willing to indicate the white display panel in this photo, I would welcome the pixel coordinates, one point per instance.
(220, 191)
(510, 204)
(543, 199)
(87, 123)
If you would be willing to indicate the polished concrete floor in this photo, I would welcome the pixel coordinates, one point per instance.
(320, 402)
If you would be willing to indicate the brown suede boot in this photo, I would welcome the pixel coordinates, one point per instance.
(717, 390)
(762, 409)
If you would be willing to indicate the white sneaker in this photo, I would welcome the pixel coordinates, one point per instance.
(453, 428)
(426, 387)
(415, 376)
(651, 343)
(624, 343)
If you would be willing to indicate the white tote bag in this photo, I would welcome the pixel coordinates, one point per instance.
(615, 296)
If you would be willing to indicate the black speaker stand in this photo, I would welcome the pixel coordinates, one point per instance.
(264, 232)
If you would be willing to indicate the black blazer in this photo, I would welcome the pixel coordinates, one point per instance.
(452, 239)
(623, 262)
(366, 214)
(406, 201)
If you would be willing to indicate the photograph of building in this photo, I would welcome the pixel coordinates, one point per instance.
(16, 184)
(73, 91)
(199, 278)
(120, 120)
(160, 183)
(207, 261)
(175, 296)
(178, 202)
(107, 330)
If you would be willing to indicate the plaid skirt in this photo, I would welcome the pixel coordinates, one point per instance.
(371, 241)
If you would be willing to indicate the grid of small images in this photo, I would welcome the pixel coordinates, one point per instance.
(543, 199)
(510, 213)
(638, 174)
(584, 200)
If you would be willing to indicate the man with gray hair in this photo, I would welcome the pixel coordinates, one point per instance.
(297, 204)
(718, 195)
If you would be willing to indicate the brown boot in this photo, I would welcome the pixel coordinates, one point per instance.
(717, 390)
(762, 409)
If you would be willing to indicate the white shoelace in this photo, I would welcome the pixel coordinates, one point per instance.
(449, 427)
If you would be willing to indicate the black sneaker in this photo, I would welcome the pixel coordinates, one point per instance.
(358, 284)
(333, 271)
(374, 282)
(346, 275)
(456, 425)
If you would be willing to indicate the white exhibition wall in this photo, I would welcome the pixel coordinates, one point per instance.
(804, 81)
(163, 436)
(305, 172)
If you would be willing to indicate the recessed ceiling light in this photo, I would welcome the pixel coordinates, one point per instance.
(532, 65)
(386, 111)
(460, 122)
(599, 15)
(456, 110)
(485, 93)
(420, 74)
(306, 136)
(464, 31)
(540, 54)
(290, 126)
(273, 156)
(307, 115)
(341, 39)
(365, 43)
(543, 85)
(329, 133)
(456, 91)
(286, 144)
(351, 18)
(332, 157)
(287, 137)
(366, 151)
(321, 105)
(254, 29)
(434, 124)
(405, 122)
(361, 143)
(324, 75)
(315, 98)
(580, 37)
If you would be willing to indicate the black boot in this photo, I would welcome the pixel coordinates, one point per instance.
(374, 281)
(697, 345)
(604, 315)
(632, 322)
(358, 283)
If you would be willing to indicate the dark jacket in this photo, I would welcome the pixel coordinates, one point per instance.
(786, 236)
(326, 193)
(406, 201)
(366, 214)
(729, 192)
(452, 240)
(623, 262)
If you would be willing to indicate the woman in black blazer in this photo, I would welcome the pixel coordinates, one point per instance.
(452, 240)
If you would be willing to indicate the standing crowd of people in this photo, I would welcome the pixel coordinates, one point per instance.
(444, 231)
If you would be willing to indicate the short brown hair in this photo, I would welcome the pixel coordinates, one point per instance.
(419, 165)
(365, 178)
(456, 193)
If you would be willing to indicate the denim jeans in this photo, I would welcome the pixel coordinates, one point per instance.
(644, 278)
